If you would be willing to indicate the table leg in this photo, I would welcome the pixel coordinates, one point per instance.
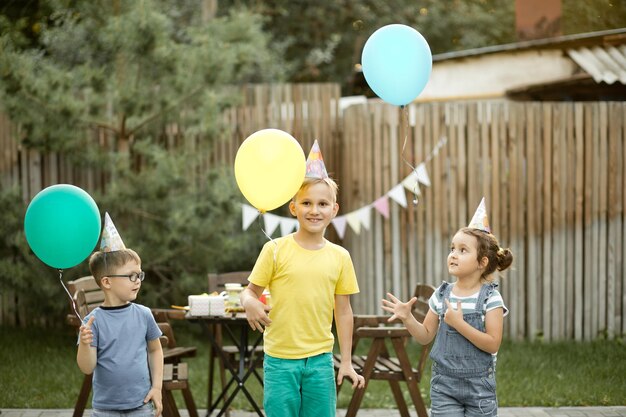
(239, 376)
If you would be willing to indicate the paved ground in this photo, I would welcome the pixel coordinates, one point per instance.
(504, 412)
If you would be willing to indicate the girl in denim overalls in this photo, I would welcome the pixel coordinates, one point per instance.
(467, 318)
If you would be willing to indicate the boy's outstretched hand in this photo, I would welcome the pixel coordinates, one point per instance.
(397, 308)
(347, 371)
(86, 334)
(154, 395)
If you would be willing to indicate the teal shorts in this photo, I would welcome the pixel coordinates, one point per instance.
(299, 387)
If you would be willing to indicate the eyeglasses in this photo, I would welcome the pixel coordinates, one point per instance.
(132, 277)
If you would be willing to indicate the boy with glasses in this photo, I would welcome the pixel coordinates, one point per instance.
(119, 340)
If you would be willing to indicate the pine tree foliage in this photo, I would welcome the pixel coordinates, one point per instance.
(131, 69)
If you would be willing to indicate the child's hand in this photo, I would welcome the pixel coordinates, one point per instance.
(257, 314)
(346, 370)
(396, 307)
(154, 395)
(86, 335)
(453, 317)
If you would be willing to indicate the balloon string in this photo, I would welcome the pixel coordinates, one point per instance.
(69, 295)
(405, 124)
(267, 236)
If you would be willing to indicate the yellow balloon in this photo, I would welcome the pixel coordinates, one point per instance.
(269, 168)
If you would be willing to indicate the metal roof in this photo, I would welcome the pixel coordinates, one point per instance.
(604, 63)
(606, 37)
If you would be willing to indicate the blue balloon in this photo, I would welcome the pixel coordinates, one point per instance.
(397, 63)
(62, 225)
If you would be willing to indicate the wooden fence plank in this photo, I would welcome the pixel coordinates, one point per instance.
(602, 216)
(569, 228)
(547, 224)
(532, 272)
(579, 193)
(614, 219)
(623, 253)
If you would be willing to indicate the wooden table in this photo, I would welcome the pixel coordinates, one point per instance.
(236, 326)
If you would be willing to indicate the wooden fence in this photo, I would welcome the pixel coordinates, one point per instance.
(552, 175)
(553, 178)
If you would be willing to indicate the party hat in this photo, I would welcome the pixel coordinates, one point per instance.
(315, 167)
(111, 240)
(480, 219)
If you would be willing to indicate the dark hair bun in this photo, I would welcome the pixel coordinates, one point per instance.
(505, 259)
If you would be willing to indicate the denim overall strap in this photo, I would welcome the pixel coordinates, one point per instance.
(483, 296)
(444, 291)
(452, 353)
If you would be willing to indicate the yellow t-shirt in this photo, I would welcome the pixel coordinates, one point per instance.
(302, 284)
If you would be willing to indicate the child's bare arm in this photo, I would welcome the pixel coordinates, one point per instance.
(86, 356)
(256, 311)
(345, 321)
(155, 359)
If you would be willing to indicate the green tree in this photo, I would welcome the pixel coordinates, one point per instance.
(580, 16)
(131, 69)
(122, 65)
(323, 40)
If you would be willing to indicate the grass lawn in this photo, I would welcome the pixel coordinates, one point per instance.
(38, 370)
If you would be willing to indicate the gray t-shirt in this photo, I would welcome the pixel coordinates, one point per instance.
(121, 379)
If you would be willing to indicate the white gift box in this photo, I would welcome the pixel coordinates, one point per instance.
(206, 305)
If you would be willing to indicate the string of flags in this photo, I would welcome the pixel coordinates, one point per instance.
(359, 218)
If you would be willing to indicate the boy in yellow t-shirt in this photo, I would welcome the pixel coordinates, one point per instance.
(308, 278)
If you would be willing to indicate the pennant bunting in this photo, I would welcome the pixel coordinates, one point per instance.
(248, 214)
(411, 183)
(365, 216)
(422, 175)
(271, 223)
(361, 216)
(340, 226)
(354, 221)
(397, 195)
(382, 206)
(287, 225)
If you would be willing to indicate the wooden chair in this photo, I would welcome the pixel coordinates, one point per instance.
(87, 295)
(378, 364)
(175, 376)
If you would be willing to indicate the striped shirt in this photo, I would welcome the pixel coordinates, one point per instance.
(468, 304)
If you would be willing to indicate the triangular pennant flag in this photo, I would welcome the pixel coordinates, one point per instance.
(248, 214)
(111, 240)
(480, 219)
(365, 217)
(397, 194)
(382, 206)
(315, 167)
(422, 174)
(411, 183)
(354, 221)
(271, 223)
(287, 225)
(340, 226)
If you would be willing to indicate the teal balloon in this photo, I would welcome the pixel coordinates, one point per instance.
(62, 225)
(397, 63)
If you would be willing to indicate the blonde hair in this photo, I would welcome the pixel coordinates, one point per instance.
(102, 264)
(308, 181)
